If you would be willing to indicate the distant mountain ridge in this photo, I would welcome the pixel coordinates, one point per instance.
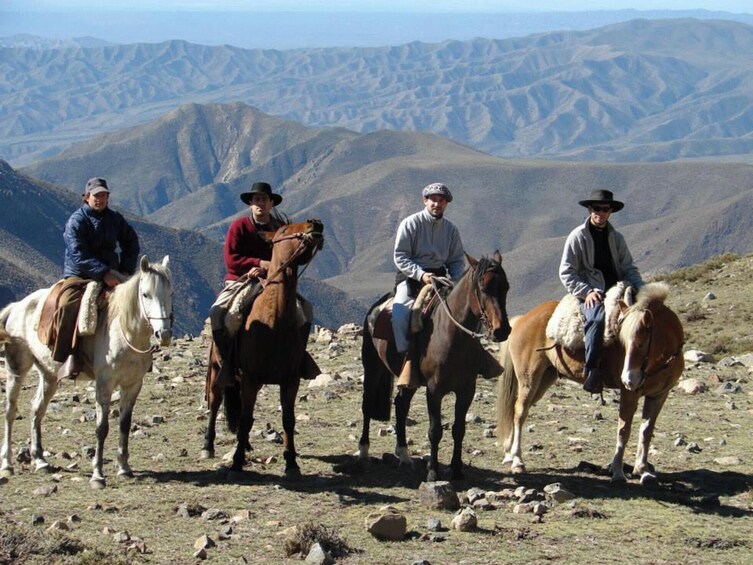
(362, 185)
(644, 90)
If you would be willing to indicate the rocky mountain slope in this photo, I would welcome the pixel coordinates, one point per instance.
(186, 170)
(646, 90)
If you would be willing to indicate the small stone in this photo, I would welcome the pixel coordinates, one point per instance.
(46, 490)
(122, 537)
(465, 520)
(37, 519)
(58, 526)
(434, 525)
(204, 542)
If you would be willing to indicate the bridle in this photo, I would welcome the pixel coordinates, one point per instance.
(314, 238)
(646, 357)
(484, 266)
(145, 316)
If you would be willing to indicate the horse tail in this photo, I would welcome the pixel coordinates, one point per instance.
(232, 403)
(507, 395)
(4, 315)
(377, 379)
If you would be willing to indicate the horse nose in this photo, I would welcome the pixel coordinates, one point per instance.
(164, 337)
(501, 333)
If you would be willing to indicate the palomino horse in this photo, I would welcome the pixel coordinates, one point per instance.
(645, 361)
(119, 354)
(450, 357)
(270, 347)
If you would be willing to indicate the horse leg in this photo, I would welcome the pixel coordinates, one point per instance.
(530, 389)
(248, 393)
(288, 394)
(434, 408)
(402, 405)
(214, 401)
(103, 398)
(651, 408)
(363, 442)
(463, 401)
(48, 385)
(628, 406)
(128, 398)
(12, 391)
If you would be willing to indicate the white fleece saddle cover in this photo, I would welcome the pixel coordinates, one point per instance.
(566, 324)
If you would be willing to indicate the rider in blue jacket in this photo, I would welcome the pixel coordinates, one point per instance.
(92, 236)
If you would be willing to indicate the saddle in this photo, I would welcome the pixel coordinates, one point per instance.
(422, 308)
(565, 326)
(47, 330)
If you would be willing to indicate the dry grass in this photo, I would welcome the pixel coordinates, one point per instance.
(700, 510)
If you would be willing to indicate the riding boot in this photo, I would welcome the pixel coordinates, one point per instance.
(594, 382)
(410, 375)
(71, 368)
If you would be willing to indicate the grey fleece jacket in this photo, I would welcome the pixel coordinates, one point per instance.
(577, 270)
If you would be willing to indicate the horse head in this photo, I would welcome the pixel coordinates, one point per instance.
(296, 244)
(637, 333)
(156, 298)
(490, 287)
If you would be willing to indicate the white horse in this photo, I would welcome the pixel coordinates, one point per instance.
(119, 353)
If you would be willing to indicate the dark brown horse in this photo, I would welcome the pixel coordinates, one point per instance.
(270, 347)
(450, 357)
(644, 362)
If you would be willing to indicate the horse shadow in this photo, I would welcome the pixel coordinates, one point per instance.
(696, 489)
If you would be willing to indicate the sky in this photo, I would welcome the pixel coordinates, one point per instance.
(738, 6)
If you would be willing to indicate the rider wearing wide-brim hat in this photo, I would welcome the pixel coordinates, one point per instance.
(594, 259)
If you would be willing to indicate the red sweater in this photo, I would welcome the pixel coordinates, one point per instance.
(244, 248)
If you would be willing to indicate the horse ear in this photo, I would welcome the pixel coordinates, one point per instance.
(471, 261)
(497, 256)
(166, 261)
(144, 265)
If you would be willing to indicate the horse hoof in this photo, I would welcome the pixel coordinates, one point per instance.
(125, 474)
(293, 473)
(648, 479)
(6, 473)
(42, 467)
(207, 454)
(518, 469)
(97, 484)
(618, 480)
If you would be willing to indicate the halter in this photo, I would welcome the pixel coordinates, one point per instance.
(480, 270)
(142, 311)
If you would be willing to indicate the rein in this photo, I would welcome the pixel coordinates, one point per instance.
(477, 294)
(306, 239)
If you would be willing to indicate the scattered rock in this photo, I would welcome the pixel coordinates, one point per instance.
(697, 356)
(691, 386)
(729, 461)
(386, 524)
(318, 556)
(729, 388)
(58, 526)
(122, 537)
(465, 520)
(46, 490)
(434, 525)
(557, 493)
(438, 495)
(204, 542)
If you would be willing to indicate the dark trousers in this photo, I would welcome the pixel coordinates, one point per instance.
(594, 333)
(66, 318)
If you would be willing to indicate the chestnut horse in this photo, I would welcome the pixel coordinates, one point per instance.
(270, 347)
(450, 357)
(645, 361)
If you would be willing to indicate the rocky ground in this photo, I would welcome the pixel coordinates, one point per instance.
(182, 509)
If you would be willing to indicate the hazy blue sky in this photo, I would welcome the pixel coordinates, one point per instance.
(742, 6)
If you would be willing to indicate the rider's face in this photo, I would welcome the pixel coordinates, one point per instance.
(435, 205)
(261, 206)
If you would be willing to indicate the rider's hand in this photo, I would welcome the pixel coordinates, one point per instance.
(110, 279)
(426, 278)
(593, 298)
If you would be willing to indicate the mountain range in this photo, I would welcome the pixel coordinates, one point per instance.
(643, 90)
(187, 169)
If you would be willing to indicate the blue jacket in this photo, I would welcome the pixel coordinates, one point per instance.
(91, 240)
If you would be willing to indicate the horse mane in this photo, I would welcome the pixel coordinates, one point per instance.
(124, 300)
(649, 296)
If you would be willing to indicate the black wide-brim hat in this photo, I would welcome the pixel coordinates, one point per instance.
(601, 196)
(261, 188)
